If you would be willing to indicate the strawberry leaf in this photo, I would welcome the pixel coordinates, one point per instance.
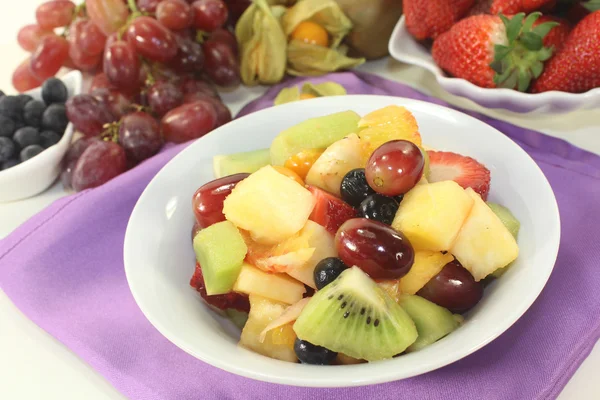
(543, 29)
(592, 5)
(513, 29)
(524, 80)
(531, 41)
(530, 20)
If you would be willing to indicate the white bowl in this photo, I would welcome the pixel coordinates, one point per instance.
(405, 48)
(159, 260)
(37, 174)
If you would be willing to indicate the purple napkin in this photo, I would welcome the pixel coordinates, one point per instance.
(64, 269)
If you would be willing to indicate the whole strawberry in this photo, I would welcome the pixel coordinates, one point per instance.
(558, 35)
(428, 19)
(576, 68)
(494, 51)
(517, 6)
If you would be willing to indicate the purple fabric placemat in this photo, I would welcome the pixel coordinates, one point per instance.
(64, 269)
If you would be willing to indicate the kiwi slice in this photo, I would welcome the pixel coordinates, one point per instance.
(433, 322)
(511, 223)
(354, 316)
(248, 161)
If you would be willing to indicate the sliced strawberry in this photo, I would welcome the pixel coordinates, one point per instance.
(330, 211)
(234, 300)
(466, 171)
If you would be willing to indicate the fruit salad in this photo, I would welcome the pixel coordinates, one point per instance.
(348, 240)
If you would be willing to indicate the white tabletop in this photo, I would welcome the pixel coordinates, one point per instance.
(33, 365)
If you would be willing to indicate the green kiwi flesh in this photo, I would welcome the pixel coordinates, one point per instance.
(511, 223)
(433, 322)
(354, 316)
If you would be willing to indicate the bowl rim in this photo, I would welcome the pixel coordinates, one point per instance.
(320, 379)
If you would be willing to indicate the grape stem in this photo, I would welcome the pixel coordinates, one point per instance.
(133, 6)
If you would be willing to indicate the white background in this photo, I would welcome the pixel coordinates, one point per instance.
(33, 365)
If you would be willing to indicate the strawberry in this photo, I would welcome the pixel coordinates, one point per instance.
(558, 35)
(466, 171)
(576, 68)
(429, 19)
(494, 51)
(330, 212)
(517, 6)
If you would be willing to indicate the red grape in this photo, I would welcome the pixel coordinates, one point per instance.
(81, 60)
(23, 80)
(236, 9)
(189, 121)
(223, 113)
(195, 229)
(54, 14)
(453, 288)
(66, 175)
(225, 36)
(163, 97)
(90, 38)
(174, 14)
(209, 14)
(115, 101)
(148, 5)
(374, 247)
(99, 163)
(237, 301)
(395, 167)
(152, 40)
(221, 63)
(189, 57)
(139, 134)
(88, 114)
(207, 202)
(191, 85)
(100, 81)
(121, 65)
(108, 15)
(49, 56)
(30, 36)
(77, 148)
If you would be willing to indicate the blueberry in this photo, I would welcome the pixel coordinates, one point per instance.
(10, 106)
(399, 198)
(49, 138)
(55, 118)
(379, 208)
(354, 187)
(327, 270)
(8, 149)
(9, 164)
(54, 91)
(7, 126)
(26, 137)
(30, 152)
(32, 113)
(24, 99)
(309, 353)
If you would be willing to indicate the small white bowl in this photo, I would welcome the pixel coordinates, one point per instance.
(405, 48)
(37, 174)
(159, 259)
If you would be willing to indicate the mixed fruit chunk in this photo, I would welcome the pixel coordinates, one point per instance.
(351, 242)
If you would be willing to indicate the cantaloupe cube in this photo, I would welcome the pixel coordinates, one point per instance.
(431, 215)
(271, 206)
(427, 265)
(484, 244)
(278, 287)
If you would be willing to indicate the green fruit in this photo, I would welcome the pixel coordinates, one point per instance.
(220, 249)
(511, 223)
(426, 166)
(354, 316)
(239, 318)
(314, 133)
(249, 162)
(433, 322)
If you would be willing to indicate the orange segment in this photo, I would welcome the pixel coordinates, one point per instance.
(289, 173)
(386, 124)
(302, 162)
(311, 33)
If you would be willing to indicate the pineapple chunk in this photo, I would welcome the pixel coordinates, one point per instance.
(484, 244)
(335, 162)
(279, 287)
(431, 215)
(323, 244)
(391, 287)
(386, 124)
(427, 265)
(277, 343)
(269, 205)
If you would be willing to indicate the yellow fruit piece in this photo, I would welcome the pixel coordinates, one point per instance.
(278, 287)
(289, 173)
(343, 359)
(271, 206)
(484, 244)
(391, 287)
(302, 162)
(277, 343)
(323, 243)
(386, 124)
(306, 96)
(427, 265)
(431, 215)
(311, 33)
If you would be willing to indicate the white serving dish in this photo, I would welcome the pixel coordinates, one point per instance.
(37, 174)
(405, 48)
(159, 259)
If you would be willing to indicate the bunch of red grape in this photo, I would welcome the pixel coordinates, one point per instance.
(154, 64)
